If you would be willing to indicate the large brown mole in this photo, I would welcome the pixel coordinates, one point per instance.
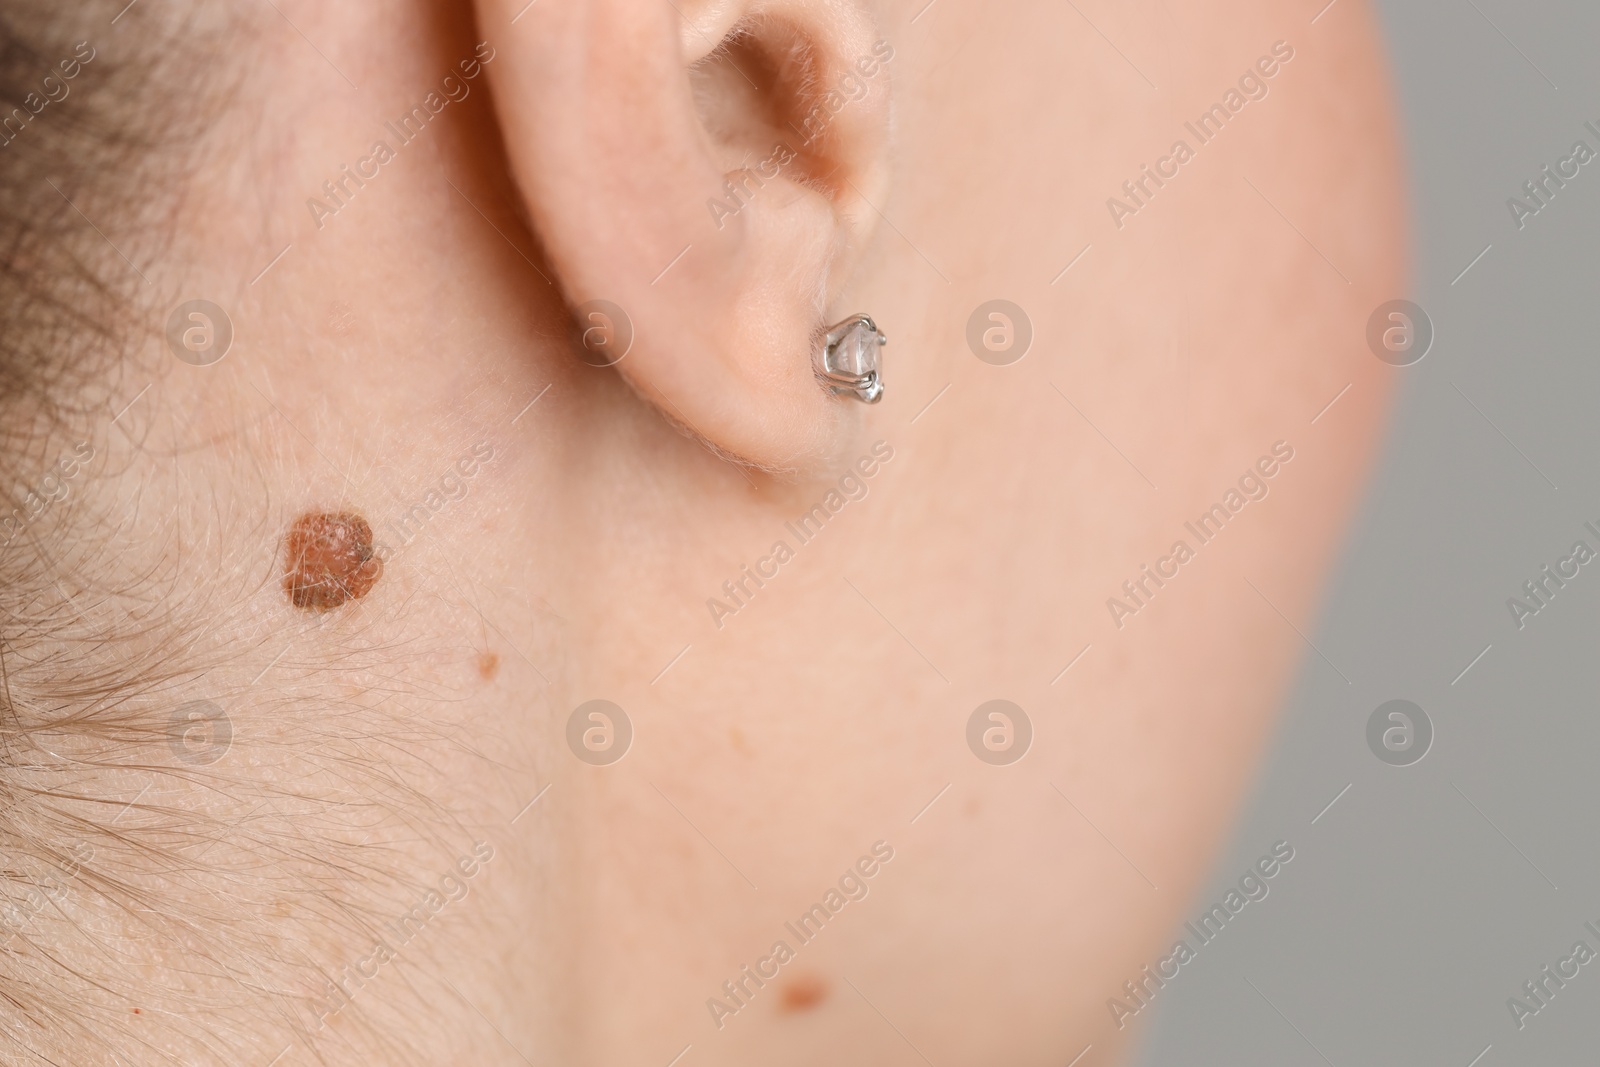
(329, 560)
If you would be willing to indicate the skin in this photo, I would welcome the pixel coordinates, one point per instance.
(423, 318)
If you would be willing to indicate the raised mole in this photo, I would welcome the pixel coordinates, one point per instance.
(803, 992)
(329, 560)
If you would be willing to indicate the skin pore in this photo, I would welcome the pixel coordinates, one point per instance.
(550, 532)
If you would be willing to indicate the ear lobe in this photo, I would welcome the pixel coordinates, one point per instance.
(707, 175)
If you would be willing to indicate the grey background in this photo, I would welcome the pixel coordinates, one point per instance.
(1428, 894)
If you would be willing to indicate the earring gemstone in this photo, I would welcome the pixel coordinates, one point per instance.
(848, 360)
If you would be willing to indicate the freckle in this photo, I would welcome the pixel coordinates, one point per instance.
(329, 560)
(488, 665)
(803, 992)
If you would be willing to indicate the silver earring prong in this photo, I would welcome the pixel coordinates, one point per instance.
(848, 360)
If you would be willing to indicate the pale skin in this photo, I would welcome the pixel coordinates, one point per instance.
(772, 747)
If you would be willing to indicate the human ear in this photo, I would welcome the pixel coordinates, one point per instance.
(643, 137)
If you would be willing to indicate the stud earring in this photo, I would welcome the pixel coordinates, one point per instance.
(848, 359)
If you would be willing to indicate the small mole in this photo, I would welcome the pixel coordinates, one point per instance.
(804, 992)
(488, 665)
(136, 1011)
(329, 560)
